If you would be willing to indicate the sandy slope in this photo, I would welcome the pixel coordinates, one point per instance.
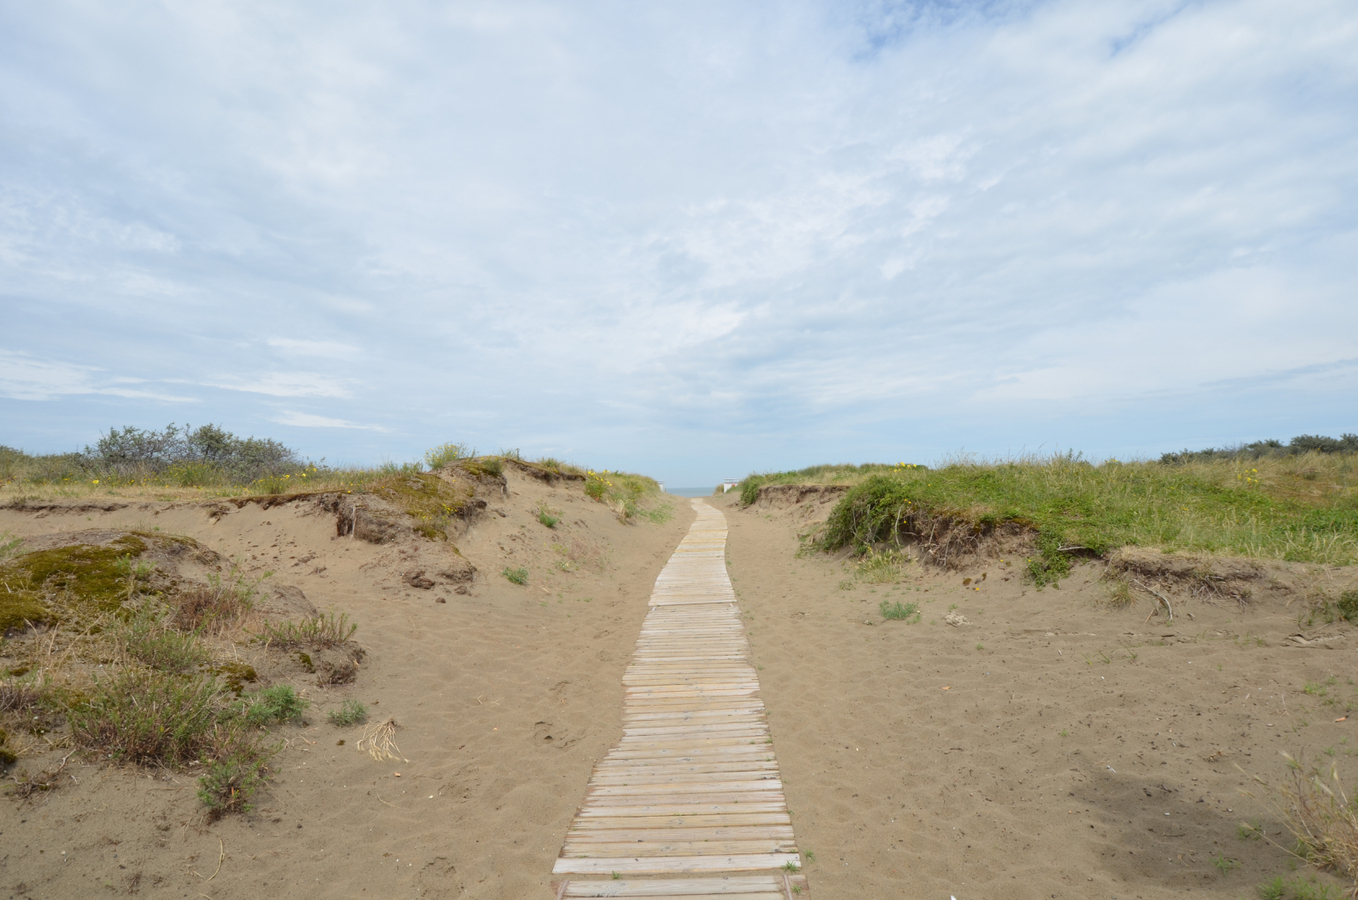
(505, 697)
(1053, 747)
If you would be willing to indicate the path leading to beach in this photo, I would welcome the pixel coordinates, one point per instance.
(692, 789)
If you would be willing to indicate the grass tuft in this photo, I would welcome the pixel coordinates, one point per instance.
(275, 704)
(908, 612)
(1322, 817)
(321, 632)
(351, 712)
(517, 576)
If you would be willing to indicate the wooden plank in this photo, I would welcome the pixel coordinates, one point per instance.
(674, 865)
(767, 894)
(773, 805)
(578, 848)
(695, 820)
(733, 887)
(773, 783)
(721, 832)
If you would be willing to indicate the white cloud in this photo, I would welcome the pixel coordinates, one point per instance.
(298, 347)
(307, 420)
(286, 384)
(24, 377)
(516, 219)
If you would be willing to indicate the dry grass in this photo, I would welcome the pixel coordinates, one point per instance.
(379, 741)
(1321, 816)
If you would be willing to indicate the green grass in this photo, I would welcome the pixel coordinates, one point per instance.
(629, 495)
(517, 576)
(148, 638)
(351, 712)
(908, 612)
(1301, 507)
(275, 704)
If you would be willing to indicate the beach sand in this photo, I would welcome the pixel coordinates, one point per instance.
(1053, 747)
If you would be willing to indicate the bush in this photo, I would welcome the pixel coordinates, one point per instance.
(518, 576)
(1322, 818)
(190, 456)
(149, 717)
(216, 604)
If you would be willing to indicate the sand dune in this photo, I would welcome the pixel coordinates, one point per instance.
(1048, 747)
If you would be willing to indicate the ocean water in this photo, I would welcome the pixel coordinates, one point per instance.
(691, 491)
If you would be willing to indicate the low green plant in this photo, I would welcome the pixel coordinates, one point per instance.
(1346, 607)
(9, 544)
(237, 771)
(443, 454)
(1293, 508)
(1273, 889)
(908, 612)
(351, 712)
(276, 703)
(517, 576)
(546, 518)
(1224, 864)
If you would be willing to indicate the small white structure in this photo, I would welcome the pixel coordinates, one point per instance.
(728, 484)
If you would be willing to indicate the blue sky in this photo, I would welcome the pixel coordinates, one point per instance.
(692, 240)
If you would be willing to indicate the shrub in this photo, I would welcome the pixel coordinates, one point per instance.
(351, 712)
(149, 717)
(203, 455)
(1322, 818)
(518, 576)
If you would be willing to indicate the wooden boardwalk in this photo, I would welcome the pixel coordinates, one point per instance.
(689, 804)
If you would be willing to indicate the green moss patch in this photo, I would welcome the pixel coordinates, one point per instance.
(432, 501)
(86, 578)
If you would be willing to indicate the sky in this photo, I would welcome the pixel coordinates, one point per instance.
(691, 240)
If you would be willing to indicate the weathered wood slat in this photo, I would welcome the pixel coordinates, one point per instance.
(579, 848)
(692, 786)
(674, 865)
(694, 820)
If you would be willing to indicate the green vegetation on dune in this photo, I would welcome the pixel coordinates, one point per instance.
(1300, 507)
